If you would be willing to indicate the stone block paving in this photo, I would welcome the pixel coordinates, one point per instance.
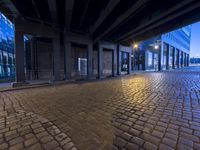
(22, 130)
(137, 112)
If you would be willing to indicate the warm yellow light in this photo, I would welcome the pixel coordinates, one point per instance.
(135, 46)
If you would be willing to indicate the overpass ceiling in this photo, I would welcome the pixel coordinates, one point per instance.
(117, 20)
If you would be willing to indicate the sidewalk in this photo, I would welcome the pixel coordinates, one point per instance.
(42, 83)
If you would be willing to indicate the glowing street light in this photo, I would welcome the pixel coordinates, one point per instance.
(156, 46)
(135, 45)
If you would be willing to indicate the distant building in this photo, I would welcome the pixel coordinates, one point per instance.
(7, 57)
(167, 51)
(195, 60)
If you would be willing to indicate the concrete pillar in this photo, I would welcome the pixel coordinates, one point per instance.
(67, 58)
(185, 59)
(114, 61)
(145, 60)
(178, 58)
(100, 62)
(188, 60)
(167, 56)
(32, 59)
(89, 60)
(129, 63)
(19, 56)
(118, 60)
(160, 57)
(56, 58)
(181, 58)
(153, 59)
(173, 58)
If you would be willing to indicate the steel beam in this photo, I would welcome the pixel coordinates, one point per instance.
(111, 5)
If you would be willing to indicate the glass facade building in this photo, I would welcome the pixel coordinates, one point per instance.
(170, 50)
(7, 57)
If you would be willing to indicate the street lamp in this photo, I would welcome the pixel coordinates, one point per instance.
(135, 47)
(156, 46)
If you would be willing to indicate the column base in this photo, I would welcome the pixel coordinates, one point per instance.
(101, 77)
(19, 84)
(91, 77)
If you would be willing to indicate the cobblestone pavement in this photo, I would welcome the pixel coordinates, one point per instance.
(144, 111)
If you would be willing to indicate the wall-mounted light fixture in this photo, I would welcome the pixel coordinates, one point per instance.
(156, 46)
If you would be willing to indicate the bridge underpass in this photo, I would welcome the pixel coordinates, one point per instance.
(75, 40)
(91, 27)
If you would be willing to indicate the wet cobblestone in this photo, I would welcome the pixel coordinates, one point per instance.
(144, 111)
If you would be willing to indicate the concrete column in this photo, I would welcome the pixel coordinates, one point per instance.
(129, 63)
(173, 58)
(67, 58)
(160, 56)
(114, 62)
(19, 56)
(56, 58)
(167, 56)
(178, 58)
(100, 62)
(188, 60)
(89, 60)
(118, 60)
(185, 59)
(153, 59)
(32, 59)
(181, 58)
(145, 60)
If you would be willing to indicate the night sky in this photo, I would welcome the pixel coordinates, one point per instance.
(195, 41)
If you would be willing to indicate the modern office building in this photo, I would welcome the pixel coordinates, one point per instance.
(7, 57)
(168, 51)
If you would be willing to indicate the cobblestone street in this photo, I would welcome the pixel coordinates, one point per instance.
(144, 111)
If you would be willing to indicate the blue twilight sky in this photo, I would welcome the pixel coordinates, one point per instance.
(195, 41)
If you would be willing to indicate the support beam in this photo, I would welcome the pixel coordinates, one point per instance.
(19, 54)
(160, 56)
(35, 29)
(68, 13)
(123, 17)
(160, 19)
(89, 60)
(37, 11)
(111, 5)
(181, 58)
(83, 14)
(100, 62)
(114, 62)
(9, 4)
(118, 60)
(178, 58)
(67, 44)
(53, 11)
(173, 58)
(188, 60)
(129, 63)
(56, 58)
(167, 56)
(185, 60)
